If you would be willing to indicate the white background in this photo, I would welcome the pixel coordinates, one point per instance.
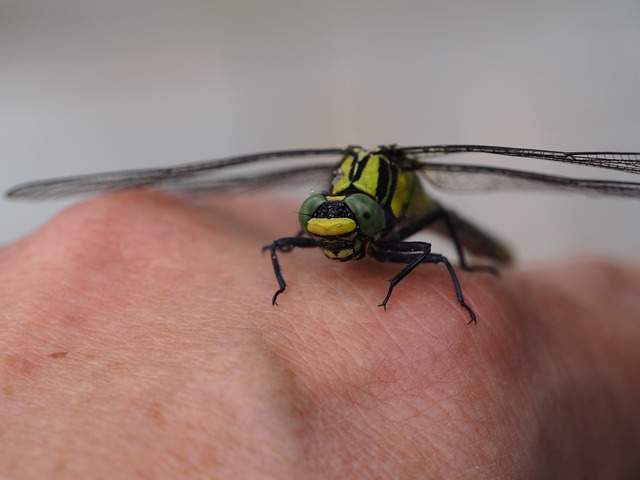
(88, 86)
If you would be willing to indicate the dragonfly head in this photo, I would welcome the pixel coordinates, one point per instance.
(341, 224)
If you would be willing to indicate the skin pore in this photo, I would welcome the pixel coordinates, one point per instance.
(138, 340)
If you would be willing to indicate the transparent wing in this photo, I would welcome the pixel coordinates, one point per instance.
(222, 174)
(320, 173)
(621, 161)
(474, 178)
(188, 178)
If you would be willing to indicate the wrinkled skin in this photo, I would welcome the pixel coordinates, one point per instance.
(138, 341)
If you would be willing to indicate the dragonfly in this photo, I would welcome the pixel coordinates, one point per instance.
(374, 200)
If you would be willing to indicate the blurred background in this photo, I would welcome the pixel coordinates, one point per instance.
(89, 86)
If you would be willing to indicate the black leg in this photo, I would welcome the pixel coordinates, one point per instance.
(415, 253)
(284, 248)
(440, 214)
(285, 245)
(437, 258)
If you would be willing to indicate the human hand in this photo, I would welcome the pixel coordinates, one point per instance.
(139, 341)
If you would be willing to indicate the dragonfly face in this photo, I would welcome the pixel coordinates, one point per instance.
(343, 225)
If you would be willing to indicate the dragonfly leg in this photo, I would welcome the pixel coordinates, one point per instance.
(415, 253)
(448, 220)
(451, 223)
(285, 248)
(437, 258)
(285, 245)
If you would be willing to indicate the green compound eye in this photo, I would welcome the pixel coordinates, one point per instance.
(368, 213)
(308, 208)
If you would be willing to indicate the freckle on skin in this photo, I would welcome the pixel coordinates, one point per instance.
(56, 355)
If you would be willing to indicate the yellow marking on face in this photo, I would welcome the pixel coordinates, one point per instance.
(347, 252)
(334, 198)
(331, 227)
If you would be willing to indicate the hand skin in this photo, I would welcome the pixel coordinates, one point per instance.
(138, 340)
